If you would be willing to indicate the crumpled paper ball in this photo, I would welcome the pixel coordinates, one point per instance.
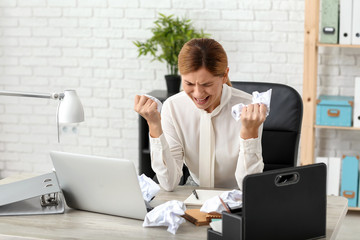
(167, 214)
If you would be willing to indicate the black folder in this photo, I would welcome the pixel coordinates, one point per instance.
(281, 204)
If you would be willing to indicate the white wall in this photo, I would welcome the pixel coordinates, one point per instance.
(51, 45)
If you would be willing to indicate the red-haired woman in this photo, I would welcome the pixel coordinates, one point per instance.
(196, 127)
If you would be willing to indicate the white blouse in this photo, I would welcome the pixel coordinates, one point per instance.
(228, 158)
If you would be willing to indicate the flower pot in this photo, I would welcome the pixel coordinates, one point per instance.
(173, 83)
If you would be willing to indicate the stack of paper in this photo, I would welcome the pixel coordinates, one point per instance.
(203, 196)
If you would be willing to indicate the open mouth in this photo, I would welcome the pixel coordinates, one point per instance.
(201, 101)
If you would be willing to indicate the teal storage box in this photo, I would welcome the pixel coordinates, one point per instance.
(350, 180)
(334, 111)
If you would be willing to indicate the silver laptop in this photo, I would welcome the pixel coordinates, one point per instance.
(99, 184)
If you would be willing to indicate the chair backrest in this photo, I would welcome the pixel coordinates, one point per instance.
(281, 133)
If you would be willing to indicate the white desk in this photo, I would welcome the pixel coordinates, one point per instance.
(86, 225)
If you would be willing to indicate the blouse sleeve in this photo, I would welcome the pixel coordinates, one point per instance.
(167, 153)
(250, 158)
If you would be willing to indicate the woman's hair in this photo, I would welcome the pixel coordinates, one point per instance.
(203, 52)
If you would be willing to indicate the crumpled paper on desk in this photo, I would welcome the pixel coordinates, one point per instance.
(148, 187)
(232, 198)
(159, 104)
(167, 214)
(261, 98)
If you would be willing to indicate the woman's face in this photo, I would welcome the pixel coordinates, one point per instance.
(203, 88)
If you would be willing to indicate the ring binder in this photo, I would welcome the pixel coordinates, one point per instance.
(51, 199)
(37, 195)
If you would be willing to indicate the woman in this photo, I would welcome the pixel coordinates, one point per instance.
(196, 127)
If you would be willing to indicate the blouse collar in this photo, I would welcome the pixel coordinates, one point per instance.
(225, 98)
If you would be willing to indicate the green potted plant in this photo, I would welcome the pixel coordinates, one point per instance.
(169, 35)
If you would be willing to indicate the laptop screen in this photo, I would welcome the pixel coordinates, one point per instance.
(99, 184)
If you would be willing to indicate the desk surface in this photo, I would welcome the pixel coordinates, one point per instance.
(76, 224)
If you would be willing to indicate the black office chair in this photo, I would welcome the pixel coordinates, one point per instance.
(281, 132)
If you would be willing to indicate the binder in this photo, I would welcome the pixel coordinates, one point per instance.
(334, 176)
(356, 115)
(356, 23)
(345, 27)
(329, 21)
(324, 160)
(37, 195)
(358, 192)
(349, 179)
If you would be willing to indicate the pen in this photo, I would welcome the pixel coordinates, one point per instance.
(225, 205)
(195, 193)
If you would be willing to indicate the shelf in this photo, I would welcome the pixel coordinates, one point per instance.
(310, 83)
(354, 208)
(339, 128)
(337, 45)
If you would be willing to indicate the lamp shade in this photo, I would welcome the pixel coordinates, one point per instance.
(70, 109)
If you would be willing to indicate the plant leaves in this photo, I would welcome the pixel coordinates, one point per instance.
(169, 35)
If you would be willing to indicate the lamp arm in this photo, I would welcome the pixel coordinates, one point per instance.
(71, 102)
(34, 95)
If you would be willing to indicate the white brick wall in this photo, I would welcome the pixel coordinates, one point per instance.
(51, 45)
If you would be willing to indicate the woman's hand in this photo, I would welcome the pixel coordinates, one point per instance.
(147, 108)
(252, 116)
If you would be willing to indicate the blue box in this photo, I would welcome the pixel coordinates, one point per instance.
(350, 180)
(334, 111)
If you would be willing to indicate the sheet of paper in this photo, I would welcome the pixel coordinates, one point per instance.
(203, 196)
(216, 226)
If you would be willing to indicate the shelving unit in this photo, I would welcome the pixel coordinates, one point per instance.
(310, 79)
(353, 208)
(337, 45)
(340, 128)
